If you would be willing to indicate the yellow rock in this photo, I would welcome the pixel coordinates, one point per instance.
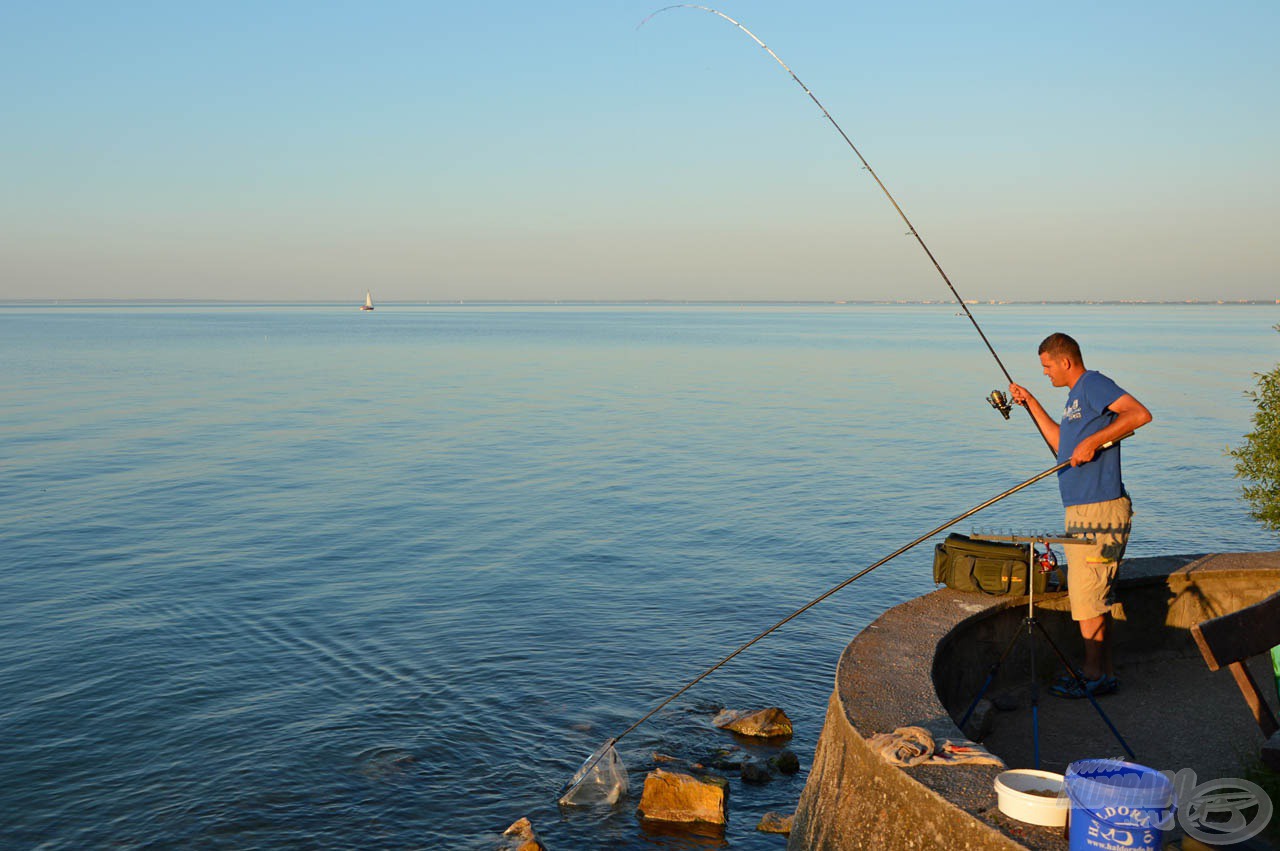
(768, 723)
(521, 837)
(673, 797)
(776, 823)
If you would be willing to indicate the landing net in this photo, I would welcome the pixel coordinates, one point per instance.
(602, 779)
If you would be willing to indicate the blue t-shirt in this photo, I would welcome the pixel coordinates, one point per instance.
(1086, 413)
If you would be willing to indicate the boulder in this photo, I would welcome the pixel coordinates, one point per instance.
(715, 780)
(769, 723)
(754, 772)
(521, 837)
(776, 823)
(726, 759)
(785, 762)
(386, 763)
(673, 797)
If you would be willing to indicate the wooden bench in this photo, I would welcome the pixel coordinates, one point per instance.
(1231, 640)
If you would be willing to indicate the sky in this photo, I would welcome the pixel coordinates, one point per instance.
(471, 151)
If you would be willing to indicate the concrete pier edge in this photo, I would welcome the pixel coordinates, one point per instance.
(921, 662)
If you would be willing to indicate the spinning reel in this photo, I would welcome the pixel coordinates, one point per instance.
(999, 400)
(1047, 560)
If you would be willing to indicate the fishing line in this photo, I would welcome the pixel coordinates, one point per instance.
(605, 759)
(583, 773)
(911, 229)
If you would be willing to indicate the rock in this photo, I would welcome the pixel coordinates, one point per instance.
(726, 759)
(715, 780)
(385, 763)
(765, 723)
(672, 797)
(980, 722)
(785, 763)
(521, 837)
(776, 823)
(754, 772)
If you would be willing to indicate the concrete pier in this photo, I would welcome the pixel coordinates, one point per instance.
(922, 663)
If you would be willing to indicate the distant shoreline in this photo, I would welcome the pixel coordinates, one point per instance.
(194, 302)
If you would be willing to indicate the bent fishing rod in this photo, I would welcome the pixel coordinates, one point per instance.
(997, 398)
(600, 752)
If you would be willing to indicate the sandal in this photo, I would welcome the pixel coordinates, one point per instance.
(1068, 678)
(1074, 690)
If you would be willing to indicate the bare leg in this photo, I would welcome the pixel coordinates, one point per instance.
(1097, 646)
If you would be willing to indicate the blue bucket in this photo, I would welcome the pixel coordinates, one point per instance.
(1117, 806)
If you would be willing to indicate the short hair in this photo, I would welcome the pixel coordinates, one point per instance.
(1058, 345)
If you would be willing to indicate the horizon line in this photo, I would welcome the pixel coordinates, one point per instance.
(28, 302)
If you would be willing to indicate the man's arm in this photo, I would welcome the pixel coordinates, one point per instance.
(1131, 415)
(1048, 425)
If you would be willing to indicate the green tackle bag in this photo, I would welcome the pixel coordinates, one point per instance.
(987, 567)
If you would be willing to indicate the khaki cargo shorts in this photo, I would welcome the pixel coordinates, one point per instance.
(1091, 568)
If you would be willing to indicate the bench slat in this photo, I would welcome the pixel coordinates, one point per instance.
(1231, 640)
(1240, 635)
(1252, 696)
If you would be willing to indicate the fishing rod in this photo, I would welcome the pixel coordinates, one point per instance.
(600, 752)
(996, 398)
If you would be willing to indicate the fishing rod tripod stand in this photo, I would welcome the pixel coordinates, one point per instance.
(1030, 626)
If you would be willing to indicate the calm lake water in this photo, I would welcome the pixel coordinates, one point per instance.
(302, 577)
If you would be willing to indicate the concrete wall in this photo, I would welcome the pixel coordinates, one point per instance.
(886, 679)
(854, 799)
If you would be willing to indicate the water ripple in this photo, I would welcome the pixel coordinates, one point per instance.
(386, 584)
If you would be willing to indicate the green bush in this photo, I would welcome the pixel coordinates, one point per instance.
(1256, 772)
(1258, 458)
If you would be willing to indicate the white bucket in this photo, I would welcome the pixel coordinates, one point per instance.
(1016, 800)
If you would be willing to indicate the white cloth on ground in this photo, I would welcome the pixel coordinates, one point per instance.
(917, 746)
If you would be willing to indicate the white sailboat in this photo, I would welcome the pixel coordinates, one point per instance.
(368, 301)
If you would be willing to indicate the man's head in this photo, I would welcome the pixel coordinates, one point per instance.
(1060, 356)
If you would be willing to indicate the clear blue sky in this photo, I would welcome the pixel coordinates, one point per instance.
(502, 150)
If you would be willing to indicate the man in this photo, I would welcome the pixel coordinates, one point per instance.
(1093, 494)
